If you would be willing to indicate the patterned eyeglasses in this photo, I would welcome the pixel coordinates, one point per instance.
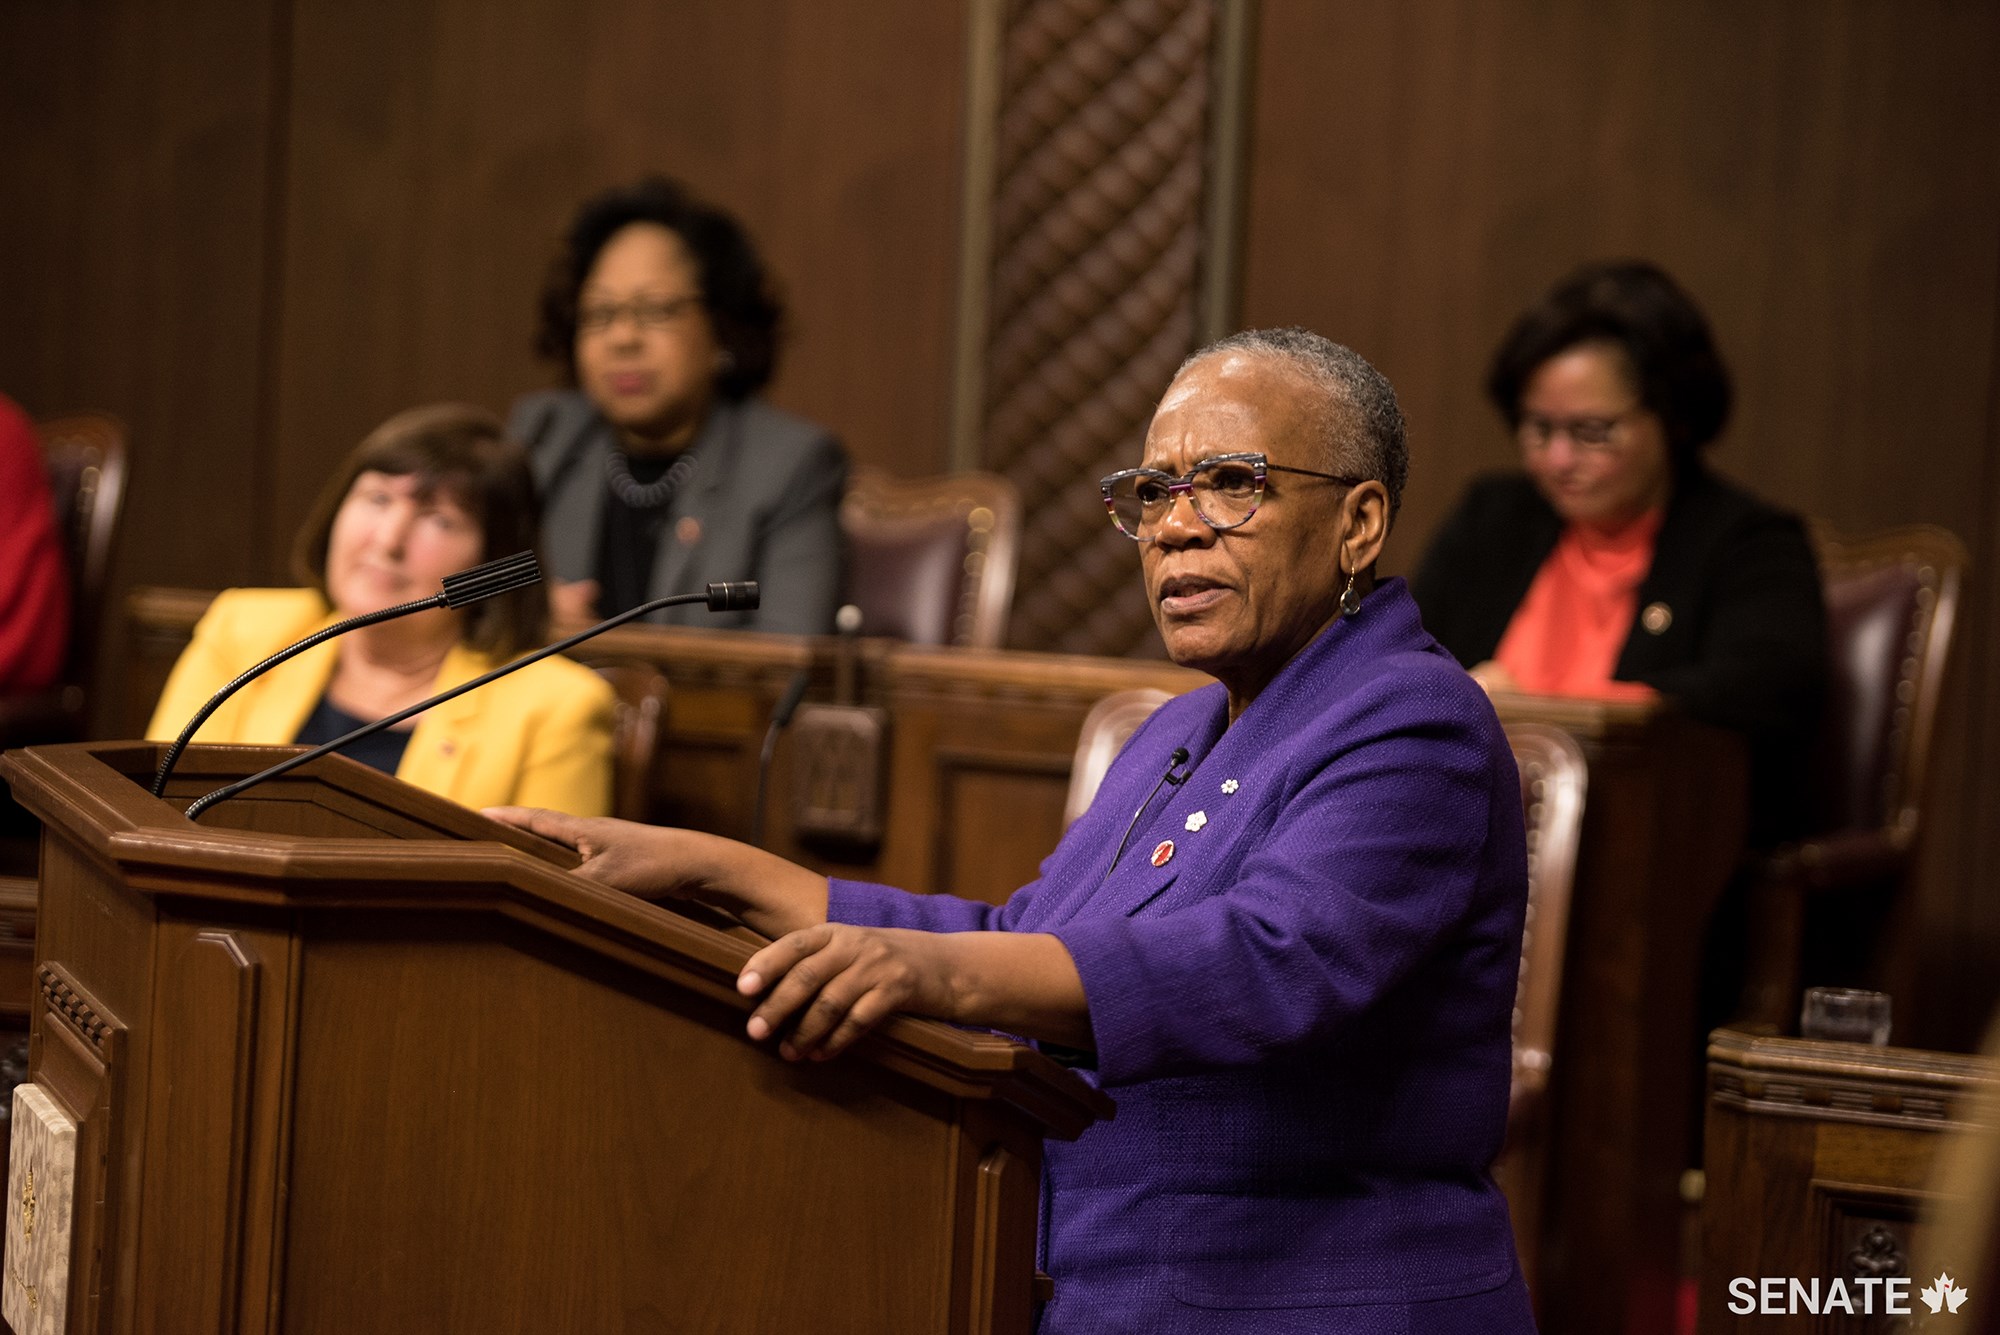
(1224, 491)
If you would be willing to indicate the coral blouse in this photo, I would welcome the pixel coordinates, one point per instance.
(1567, 634)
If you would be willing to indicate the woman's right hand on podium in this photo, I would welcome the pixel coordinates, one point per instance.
(762, 890)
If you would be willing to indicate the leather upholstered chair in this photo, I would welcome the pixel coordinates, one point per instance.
(932, 560)
(85, 454)
(1553, 782)
(1106, 728)
(639, 719)
(1892, 605)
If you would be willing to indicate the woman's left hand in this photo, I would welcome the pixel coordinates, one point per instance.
(834, 982)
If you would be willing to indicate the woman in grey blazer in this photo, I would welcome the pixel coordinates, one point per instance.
(660, 470)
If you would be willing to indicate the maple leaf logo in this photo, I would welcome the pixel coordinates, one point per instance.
(1943, 1295)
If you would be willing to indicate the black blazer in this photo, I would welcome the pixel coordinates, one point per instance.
(1732, 622)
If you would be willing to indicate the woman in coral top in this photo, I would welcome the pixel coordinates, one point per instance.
(1616, 564)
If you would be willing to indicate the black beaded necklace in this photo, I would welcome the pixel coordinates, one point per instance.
(647, 495)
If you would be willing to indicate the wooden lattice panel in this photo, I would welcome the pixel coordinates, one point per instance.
(1097, 238)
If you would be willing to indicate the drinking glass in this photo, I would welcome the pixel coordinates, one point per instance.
(1846, 1015)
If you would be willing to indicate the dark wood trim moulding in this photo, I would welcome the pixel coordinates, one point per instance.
(1765, 1075)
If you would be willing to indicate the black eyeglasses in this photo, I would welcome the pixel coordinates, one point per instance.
(647, 313)
(1224, 491)
(1595, 435)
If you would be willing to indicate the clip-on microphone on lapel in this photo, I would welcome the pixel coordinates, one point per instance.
(1079, 1057)
(1174, 762)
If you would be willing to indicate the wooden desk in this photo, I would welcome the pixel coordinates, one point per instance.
(1820, 1159)
(1663, 830)
(980, 748)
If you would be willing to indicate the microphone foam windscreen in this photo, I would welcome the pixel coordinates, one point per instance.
(499, 576)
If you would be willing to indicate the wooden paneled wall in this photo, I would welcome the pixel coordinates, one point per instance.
(435, 152)
(256, 229)
(135, 152)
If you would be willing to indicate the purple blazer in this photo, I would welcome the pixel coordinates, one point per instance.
(1301, 1007)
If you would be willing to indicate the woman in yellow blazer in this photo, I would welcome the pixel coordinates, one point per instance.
(431, 491)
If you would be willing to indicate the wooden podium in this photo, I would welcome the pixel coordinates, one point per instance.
(347, 1057)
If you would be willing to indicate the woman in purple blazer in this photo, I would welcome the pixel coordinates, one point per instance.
(1288, 929)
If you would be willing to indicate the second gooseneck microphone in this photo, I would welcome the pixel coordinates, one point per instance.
(781, 718)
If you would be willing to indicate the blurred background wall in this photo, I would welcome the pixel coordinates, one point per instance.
(254, 230)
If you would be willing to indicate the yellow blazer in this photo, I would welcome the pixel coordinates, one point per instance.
(540, 737)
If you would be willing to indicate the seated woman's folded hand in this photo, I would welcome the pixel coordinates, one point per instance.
(1492, 677)
(573, 605)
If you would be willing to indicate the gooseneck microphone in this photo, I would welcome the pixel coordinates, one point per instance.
(502, 575)
(781, 718)
(734, 596)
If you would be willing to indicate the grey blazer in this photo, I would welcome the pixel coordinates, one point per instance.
(766, 494)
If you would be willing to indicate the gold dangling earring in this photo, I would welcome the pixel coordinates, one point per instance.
(1350, 601)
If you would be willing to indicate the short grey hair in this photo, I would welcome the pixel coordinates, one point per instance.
(1366, 437)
